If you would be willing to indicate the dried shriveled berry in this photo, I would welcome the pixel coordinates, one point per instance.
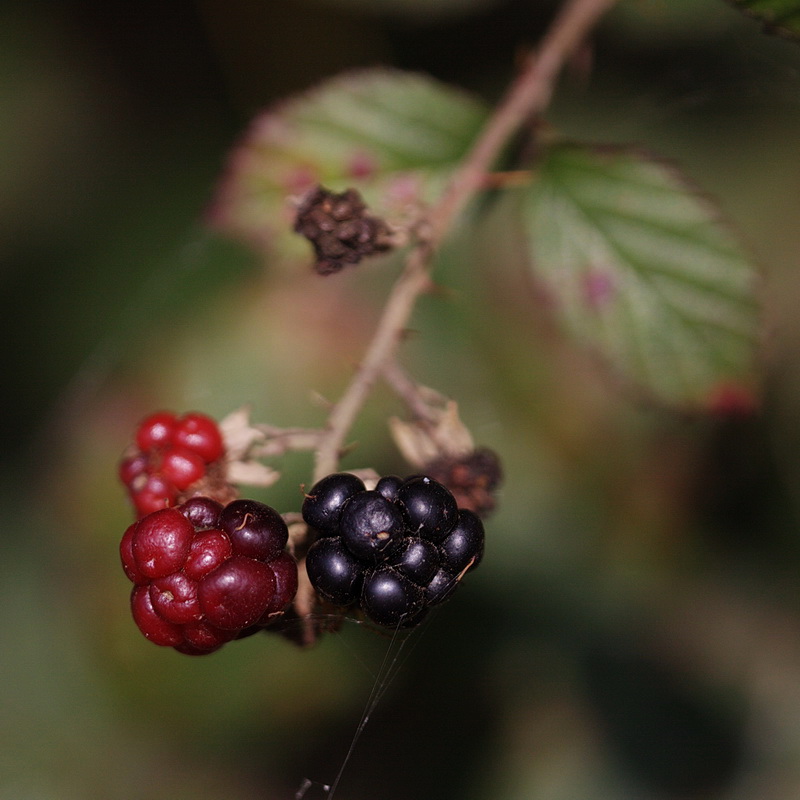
(340, 229)
(473, 478)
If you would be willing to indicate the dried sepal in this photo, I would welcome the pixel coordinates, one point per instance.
(368, 476)
(252, 473)
(239, 434)
(442, 434)
(242, 440)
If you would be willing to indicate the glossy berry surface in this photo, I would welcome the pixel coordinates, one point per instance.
(334, 571)
(462, 548)
(209, 550)
(255, 530)
(389, 486)
(430, 510)
(417, 559)
(171, 455)
(284, 568)
(181, 467)
(199, 434)
(322, 506)
(371, 526)
(156, 431)
(389, 598)
(203, 573)
(440, 587)
(391, 552)
(237, 593)
(161, 542)
(202, 512)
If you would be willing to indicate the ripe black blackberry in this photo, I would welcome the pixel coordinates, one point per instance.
(391, 552)
(323, 504)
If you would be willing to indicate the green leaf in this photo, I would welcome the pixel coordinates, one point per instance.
(393, 136)
(778, 16)
(640, 269)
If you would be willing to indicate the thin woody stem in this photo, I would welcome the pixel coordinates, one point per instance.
(411, 393)
(528, 96)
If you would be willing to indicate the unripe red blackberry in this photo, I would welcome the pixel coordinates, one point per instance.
(255, 530)
(172, 454)
(181, 467)
(202, 512)
(209, 550)
(284, 568)
(156, 431)
(199, 434)
(203, 573)
(161, 542)
(236, 594)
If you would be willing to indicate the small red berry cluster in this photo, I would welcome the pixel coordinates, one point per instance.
(171, 454)
(203, 573)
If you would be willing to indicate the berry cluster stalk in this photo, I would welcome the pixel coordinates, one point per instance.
(527, 97)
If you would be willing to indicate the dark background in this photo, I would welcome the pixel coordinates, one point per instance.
(634, 631)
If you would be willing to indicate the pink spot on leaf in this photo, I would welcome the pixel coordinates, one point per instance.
(361, 165)
(300, 179)
(598, 288)
(730, 399)
(404, 189)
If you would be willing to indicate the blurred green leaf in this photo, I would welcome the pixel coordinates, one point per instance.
(639, 268)
(778, 16)
(394, 136)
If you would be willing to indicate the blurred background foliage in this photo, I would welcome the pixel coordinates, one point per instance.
(634, 631)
